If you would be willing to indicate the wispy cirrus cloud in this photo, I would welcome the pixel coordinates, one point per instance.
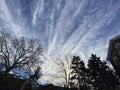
(79, 27)
(8, 20)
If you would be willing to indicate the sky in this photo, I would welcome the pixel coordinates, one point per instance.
(64, 27)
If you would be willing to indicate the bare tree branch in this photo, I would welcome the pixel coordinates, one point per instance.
(19, 52)
(63, 69)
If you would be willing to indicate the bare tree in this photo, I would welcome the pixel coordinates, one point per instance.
(63, 70)
(19, 53)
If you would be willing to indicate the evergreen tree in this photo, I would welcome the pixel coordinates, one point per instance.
(102, 77)
(78, 73)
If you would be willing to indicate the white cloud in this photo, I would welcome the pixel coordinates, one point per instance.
(37, 10)
(71, 27)
(7, 20)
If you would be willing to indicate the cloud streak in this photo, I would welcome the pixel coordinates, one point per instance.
(79, 27)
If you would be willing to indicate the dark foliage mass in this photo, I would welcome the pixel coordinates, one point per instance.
(96, 75)
(78, 72)
(11, 82)
(24, 55)
(102, 77)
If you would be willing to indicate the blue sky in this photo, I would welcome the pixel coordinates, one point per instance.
(64, 27)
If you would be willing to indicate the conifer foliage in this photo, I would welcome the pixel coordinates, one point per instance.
(77, 73)
(101, 76)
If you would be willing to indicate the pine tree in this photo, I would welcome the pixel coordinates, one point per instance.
(102, 77)
(78, 73)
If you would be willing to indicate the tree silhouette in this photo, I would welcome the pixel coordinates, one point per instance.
(78, 73)
(102, 77)
(32, 82)
(19, 53)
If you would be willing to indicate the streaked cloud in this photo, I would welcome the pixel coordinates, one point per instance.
(79, 27)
